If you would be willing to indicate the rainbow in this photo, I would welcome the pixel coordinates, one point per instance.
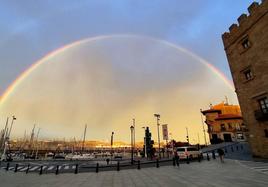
(50, 55)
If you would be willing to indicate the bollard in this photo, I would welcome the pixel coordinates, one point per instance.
(118, 166)
(157, 163)
(232, 149)
(76, 169)
(28, 167)
(199, 158)
(7, 166)
(237, 147)
(208, 157)
(97, 168)
(139, 164)
(57, 170)
(16, 168)
(41, 170)
(213, 155)
(187, 160)
(174, 163)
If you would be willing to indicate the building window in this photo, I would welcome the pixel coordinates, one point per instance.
(264, 105)
(223, 127)
(246, 43)
(240, 136)
(248, 74)
(266, 133)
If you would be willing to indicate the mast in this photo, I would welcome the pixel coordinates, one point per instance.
(32, 137)
(85, 131)
(24, 141)
(36, 153)
(4, 134)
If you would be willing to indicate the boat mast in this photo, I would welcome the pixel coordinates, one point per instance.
(31, 140)
(36, 153)
(85, 131)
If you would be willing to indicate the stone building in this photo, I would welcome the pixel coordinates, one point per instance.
(246, 47)
(225, 123)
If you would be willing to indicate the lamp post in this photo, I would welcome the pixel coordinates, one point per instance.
(187, 136)
(132, 137)
(13, 119)
(157, 123)
(203, 127)
(134, 146)
(112, 141)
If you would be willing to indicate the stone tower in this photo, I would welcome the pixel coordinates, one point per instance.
(246, 47)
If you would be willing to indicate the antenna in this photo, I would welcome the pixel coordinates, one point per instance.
(210, 105)
(226, 100)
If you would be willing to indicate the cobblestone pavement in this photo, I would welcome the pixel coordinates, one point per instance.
(257, 166)
(206, 173)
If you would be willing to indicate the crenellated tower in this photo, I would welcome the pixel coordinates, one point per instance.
(245, 22)
(246, 47)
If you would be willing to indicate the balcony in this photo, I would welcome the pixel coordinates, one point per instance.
(261, 116)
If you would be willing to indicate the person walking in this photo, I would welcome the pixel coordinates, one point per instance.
(107, 161)
(177, 158)
(221, 154)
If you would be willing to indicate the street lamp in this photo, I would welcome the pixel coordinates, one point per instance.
(132, 137)
(134, 134)
(13, 119)
(187, 135)
(203, 127)
(112, 141)
(157, 122)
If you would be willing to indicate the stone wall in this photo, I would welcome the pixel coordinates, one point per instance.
(252, 32)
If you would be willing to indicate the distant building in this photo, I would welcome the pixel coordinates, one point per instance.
(225, 123)
(246, 47)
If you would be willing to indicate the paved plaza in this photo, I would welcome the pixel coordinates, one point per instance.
(206, 173)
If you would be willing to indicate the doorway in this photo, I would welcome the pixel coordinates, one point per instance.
(227, 137)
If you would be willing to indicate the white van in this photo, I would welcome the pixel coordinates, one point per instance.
(191, 152)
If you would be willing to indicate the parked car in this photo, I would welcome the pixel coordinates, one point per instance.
(118, 156)
(191, 152)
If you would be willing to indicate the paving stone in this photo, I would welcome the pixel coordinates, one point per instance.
(212, 173)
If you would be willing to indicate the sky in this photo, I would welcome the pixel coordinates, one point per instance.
(107, 82)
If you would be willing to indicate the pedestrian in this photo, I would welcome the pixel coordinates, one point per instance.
(107, 160)
(221, 154)
(177, 158)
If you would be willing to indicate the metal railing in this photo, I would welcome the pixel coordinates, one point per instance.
(82, 168)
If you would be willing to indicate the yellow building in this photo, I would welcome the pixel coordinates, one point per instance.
(225, 123)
